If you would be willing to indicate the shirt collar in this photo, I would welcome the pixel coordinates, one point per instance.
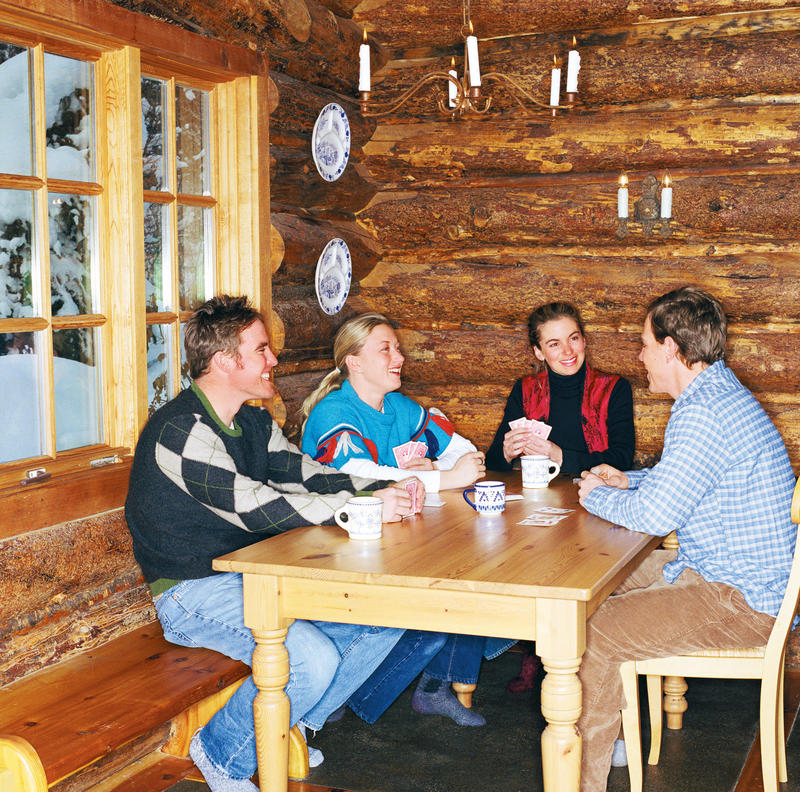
(714, 371)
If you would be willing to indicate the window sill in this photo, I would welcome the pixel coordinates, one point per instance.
(66, 494)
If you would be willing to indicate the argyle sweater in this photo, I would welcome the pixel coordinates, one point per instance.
(199, 489)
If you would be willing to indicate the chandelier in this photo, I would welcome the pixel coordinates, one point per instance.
(465, 96)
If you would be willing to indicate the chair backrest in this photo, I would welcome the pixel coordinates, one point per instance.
(783, 621)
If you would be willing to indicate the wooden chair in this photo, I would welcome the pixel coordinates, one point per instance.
(762, 662)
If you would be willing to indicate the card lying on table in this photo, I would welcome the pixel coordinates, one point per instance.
(537, 428)
(410, 450)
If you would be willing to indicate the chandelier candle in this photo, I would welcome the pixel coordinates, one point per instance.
(472, 59)
(555, 84)
(451, 88)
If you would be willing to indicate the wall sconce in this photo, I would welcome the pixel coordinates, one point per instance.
(648, 209)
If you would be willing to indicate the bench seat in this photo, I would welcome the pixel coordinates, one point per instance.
(76, 713)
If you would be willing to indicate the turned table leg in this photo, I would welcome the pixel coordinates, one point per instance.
(674, 702)
(271, 709)
(464, 691)
(560, 642)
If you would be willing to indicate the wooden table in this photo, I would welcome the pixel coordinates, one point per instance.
(449, 570)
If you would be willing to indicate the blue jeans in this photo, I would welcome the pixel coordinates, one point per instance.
(327, 662)
(451, 658)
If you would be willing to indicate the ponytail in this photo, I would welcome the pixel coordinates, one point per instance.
(349, 341)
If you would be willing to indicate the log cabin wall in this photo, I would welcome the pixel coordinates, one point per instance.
(481, 220)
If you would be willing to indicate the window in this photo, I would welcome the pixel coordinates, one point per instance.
(126, 199)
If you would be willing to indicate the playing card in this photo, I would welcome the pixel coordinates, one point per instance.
(540, 429)
(418, 450)
(402, 453)
(537, 428)
(434, 499)
(411, 487)
(553, 510)
(539, 520)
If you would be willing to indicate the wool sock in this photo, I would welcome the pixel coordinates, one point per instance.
(315, 756)
(620, 756)
(217, 782)
(434, 697)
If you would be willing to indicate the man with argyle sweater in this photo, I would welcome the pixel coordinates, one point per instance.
(212, 474)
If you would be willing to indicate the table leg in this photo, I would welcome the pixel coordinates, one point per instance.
(464, 691)
(560, 641)
(271, 708)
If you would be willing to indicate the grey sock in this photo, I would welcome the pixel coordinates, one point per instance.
(315, 756)
(434, 697)
(217, 782)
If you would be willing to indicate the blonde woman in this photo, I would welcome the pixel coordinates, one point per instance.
(355, 417)
(355, 420)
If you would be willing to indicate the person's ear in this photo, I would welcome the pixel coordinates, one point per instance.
(671, 348)
(353, 363)
(223, 361)
(539, 354)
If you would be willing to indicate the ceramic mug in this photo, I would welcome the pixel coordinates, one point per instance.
(490, 497)
(538, 470)
(361, 517)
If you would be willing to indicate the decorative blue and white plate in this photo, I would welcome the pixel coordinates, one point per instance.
(334, 272)
(330, 142)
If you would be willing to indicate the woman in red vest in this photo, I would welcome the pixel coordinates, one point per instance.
(591, 414)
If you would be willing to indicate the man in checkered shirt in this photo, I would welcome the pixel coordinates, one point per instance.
(724, 484)
(212, 474)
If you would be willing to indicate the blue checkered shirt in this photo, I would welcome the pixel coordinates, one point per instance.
(724, 483)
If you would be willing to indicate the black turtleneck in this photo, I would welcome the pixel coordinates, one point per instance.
(566, 397)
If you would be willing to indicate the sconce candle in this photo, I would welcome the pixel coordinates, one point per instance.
(573, 67)
(622, 197)
(363, 65)
(472, 59)
(451, 88)
(555, 83)
(666, 198)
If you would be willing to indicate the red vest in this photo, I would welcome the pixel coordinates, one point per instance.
(594, 409)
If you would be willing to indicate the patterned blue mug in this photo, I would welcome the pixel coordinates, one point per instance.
(490, 497)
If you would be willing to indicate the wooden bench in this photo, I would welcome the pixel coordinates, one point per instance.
(124, 709)
(93, 696)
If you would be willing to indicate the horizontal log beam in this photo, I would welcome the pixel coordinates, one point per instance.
(304, 239)
(762, 360)
(427, 153)
(441, 21)
(501, 288)
(712, 207)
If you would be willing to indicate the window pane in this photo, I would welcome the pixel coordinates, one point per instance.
(159, 366)
(191, 134)
(77, 381)
(16, 224)
(68, 116)
(70, 253)
(156, 262)
(21, 397)
(186, 379)
(153, 100)
(15, 110)
(194, 264)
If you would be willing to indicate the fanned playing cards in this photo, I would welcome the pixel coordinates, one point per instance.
(537, 428)
(410, 450)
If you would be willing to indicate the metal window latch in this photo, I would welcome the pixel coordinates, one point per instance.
(35, 476)
(103, 461)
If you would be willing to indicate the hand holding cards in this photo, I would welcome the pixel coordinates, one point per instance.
(410, 450)
(416, 490)
(536, 428)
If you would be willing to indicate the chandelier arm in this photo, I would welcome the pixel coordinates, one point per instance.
(500, 78)
(384, 108)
